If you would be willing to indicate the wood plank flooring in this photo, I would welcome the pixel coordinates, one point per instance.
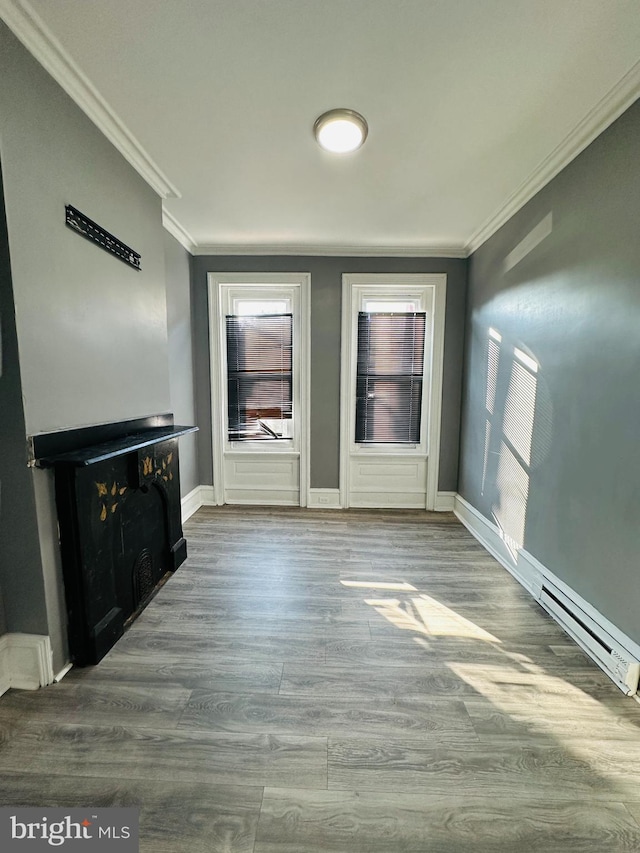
(337, 682)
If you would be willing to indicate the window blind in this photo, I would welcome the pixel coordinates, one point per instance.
(389, 377)
(259, 375)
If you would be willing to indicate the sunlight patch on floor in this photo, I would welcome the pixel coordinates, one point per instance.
(399, 586)
(428, 616)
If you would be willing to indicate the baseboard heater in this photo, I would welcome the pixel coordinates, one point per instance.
(619, 664)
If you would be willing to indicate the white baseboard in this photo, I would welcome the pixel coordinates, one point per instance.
(26, 661)
(208, 496)
(190, 503)
(532, 574)
(65, 669)
(445, 502)
(5, 673)
(489, 537)
(200, 496)
(324, 499)
(316, 499)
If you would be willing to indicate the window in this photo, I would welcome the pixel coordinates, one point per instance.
(391, 388)
(259, 357)
(260, 337)
(389, 372)
(259, 376)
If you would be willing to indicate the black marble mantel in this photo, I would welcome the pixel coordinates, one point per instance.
(118, 503)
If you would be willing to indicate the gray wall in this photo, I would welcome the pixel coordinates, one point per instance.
(326, 296)
(19, 553)
(92, 334)
(181, 356)
(574, 305)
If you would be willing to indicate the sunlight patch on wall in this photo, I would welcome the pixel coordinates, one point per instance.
(512, 482)
(529, 243)
(493, 364)
(529, 362)
(514, 455)
(519, 411)
(487, 445)
(493, 361)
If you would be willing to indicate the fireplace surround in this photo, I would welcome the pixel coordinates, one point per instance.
(117, 490)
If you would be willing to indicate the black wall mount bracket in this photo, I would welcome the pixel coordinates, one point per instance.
(89, 229)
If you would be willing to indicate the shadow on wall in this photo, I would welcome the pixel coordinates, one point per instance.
(518, 427)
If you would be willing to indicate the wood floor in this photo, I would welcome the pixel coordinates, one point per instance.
(351, 682)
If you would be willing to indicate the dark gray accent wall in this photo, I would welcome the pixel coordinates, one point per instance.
(181, 386)
(91, 331)
(326, 299)
(19, 553)
(572, 304)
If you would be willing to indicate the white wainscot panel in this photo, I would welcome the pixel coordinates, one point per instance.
(262, 479)
(388, 481)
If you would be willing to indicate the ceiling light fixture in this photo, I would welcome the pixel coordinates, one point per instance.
(340, 131)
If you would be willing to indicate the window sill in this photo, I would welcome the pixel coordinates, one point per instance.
(280, 448)
(388, 450)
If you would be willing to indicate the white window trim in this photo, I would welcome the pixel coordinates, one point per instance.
(267, 285)
(355, 288)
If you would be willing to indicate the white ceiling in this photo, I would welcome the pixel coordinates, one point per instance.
(472, 105)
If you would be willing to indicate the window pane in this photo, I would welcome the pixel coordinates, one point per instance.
(388, 410)
(252, 307)
(375, 305)
(389, 377)
(259, 376)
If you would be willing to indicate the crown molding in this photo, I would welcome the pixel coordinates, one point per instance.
(31, 30)
(451, 251)
(598, 119)
(177, 231)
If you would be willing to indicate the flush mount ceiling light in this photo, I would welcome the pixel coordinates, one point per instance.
(340, 131)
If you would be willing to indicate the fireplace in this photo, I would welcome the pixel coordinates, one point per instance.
(118, 501)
